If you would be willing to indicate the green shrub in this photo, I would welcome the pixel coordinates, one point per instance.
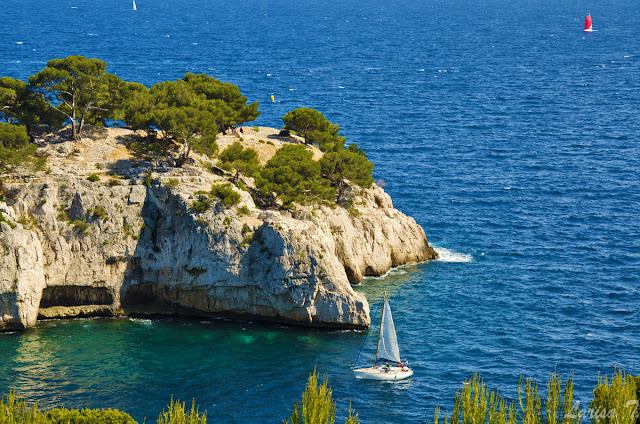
(176, 414)
(93, 178)
(114, 182)
(3, 219)
(293, 176)
(242, 161)
(148, 178)
(347, 164)
(354, 212)
(314, 127)
(617, 394)
(225, 193)
(81, 226)
(100, 212)
(317, 405)
(244, 211)
(62, 214)
(202, 205)
(256, 128)
(206, 145)
(88, 416)
(15, 149)
(476, 404)
(172, 182)
(16, 411)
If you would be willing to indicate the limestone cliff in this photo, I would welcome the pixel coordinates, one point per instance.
(129, 242)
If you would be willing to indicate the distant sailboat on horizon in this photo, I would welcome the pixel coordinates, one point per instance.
(588, 24)
(134, 5)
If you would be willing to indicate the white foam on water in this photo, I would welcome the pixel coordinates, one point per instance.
(512, 188)
(447, 255)
(19, 42)
(143, 321)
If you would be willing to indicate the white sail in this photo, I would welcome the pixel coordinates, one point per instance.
(388, 343)
(134, 5)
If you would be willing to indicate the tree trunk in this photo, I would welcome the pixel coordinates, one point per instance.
(84, 113)
(182, 157)
(74, 129)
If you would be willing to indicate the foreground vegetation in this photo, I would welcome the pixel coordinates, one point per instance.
(615, 401)
(178, 117)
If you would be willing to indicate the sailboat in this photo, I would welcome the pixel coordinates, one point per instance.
(134, 5)
(588, 25)
(387, 365)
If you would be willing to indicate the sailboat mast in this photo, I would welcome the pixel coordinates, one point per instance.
(384, 302)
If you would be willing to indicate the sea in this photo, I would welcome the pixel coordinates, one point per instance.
(507, 132)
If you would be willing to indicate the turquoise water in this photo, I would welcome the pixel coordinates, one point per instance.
(509, 134)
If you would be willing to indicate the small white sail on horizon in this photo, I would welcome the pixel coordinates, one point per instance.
(134, 5)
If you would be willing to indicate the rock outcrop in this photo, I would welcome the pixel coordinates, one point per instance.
(128, 244)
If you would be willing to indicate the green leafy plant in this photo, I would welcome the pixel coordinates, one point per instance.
(82, 226)
(100, 212)
(93, 178)
(16, 150)
(317, 405)
(242, 161)
(148, 178)
(315, 128)
(177, 414)
(474, 403)
(202, 205)
(172, 182)
(3, 219)
(244, 211)
(618, 394)
(348, 164)
(293, 176)
(226, 194)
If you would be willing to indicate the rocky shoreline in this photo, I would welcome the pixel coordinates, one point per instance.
(129, 242)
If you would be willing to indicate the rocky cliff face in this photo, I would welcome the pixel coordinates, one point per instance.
(120, 245)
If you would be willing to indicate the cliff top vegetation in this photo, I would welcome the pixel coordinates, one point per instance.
(173, 121)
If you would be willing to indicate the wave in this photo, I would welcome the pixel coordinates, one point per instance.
(143, 321)
(447, 255)
(393, 271)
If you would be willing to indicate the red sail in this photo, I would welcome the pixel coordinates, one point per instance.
(587, 22)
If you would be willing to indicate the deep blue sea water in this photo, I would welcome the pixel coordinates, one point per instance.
(509, 134)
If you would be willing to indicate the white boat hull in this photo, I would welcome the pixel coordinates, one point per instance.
(382, 373)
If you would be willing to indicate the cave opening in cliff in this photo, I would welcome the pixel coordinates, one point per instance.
(75, 296)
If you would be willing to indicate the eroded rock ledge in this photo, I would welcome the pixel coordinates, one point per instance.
(137, 248)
